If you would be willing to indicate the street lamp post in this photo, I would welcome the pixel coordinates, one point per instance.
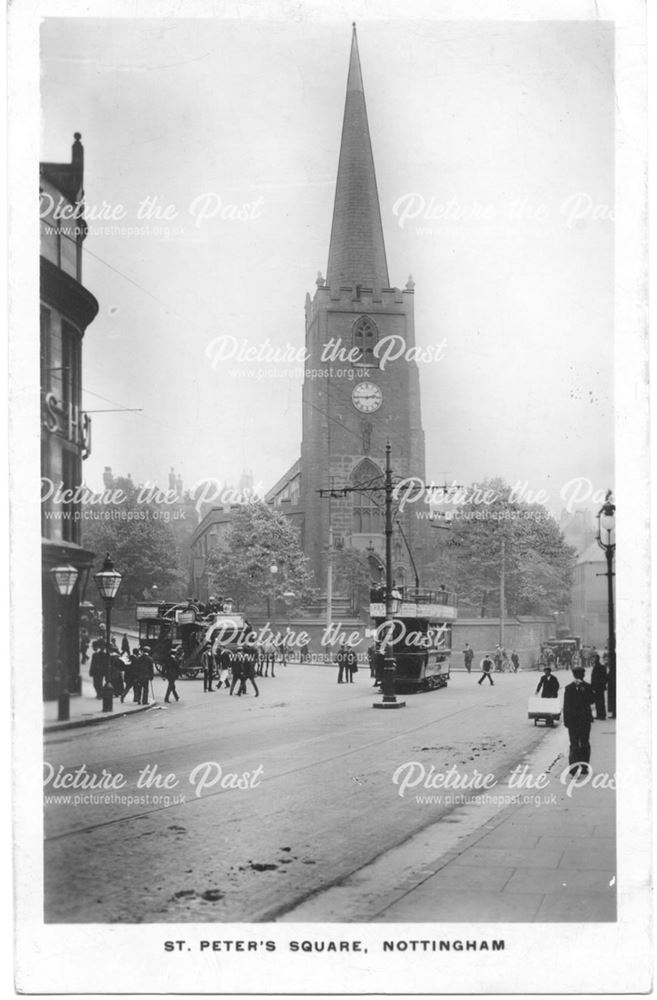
(606, 539)
(288, 597)
(64, 579)
(108, 581)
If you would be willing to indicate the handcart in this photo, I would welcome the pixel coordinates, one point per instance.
(546, 709)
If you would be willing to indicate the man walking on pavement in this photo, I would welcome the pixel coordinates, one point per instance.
(598, 686)
(146, 673)
(172, 673)
(468, 656)
(130, 676)
(577, 701)
(98, 667)
(486, 667)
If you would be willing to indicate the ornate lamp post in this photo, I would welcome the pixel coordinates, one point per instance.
(288, 597)
(108, 581)
(606, 539)
(64, 578)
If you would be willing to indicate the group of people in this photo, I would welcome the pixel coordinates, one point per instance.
(347, 664)
(230, 666)
(498, 661)
(578, 699)
(126, 671)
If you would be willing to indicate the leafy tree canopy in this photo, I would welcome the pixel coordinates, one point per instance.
(240, 567)
(538, 562)
(141, 543)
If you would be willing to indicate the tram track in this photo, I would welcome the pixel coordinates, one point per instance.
(358, 749)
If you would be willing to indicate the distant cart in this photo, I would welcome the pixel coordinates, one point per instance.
(546, 709)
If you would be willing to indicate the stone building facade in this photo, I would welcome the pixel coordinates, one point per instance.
(67, 308)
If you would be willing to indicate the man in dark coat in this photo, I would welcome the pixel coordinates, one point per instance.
(352, 664)
(577, 701)
(341, 660)
(172, 673)
(145, 673)
(236, 670)
(116, 673)
(98, 667)
(468, 656)
(548, 686)
(598, 686)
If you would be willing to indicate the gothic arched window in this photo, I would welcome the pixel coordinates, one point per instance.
(367, 506)
(365, 336)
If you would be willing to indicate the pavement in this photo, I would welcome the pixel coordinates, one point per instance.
(550, 858)
(86, 710)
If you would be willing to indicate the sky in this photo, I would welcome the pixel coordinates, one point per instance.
(494, 150)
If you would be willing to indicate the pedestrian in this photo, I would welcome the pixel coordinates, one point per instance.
(208, 663)
(379, 667)
(352, 665)
(486, 667)
(130, 676)
(548, 686)
(98, 667)
(515, 660)
(577, 701)
(223, 659)
(341, 660)
(146, 672)
(116, 673)
(125, 645)
(498, 660)
(371, 654)
(236, 667)
(468, 656)
(599, 686)
(249, 655)
(172, 673)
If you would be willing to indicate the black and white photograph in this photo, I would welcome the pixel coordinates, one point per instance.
(329, 396)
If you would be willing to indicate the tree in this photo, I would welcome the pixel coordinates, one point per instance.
(259, 537)
(538, 562)
(141, 542)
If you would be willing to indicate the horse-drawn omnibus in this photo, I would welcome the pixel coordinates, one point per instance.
(163, 625)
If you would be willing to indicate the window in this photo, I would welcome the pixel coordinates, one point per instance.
(365, 336)
(367, 506)
(71, 382)
(45, 348)
(71, 479)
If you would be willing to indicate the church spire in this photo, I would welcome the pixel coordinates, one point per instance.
(357, 253)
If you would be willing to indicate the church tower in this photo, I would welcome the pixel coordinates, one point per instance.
(362, 392)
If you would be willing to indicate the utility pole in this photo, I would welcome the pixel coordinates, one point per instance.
(502, 594)
(329, 576)
(389, 699)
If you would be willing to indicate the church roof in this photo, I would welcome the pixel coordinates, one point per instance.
(357, 252)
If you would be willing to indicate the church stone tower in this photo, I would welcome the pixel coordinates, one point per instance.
(360, 401)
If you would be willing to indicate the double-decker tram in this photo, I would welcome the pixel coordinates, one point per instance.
(420, 634)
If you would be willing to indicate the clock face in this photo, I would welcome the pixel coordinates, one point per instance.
(367, 397)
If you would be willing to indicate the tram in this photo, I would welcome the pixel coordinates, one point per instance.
(421, 637)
